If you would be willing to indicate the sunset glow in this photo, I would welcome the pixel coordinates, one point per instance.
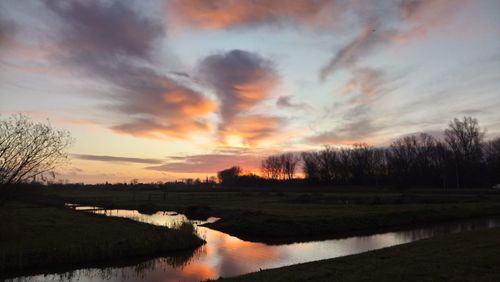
(172, 89)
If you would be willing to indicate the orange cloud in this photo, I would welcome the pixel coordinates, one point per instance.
(252, 128)
(211, 163)
(217, 14)
(114, 44)
(241, 81)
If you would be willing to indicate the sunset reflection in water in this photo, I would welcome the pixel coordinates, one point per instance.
(225, 255)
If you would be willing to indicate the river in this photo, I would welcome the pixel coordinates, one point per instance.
(225, 255)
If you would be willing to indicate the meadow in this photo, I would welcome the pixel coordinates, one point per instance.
(280, 216)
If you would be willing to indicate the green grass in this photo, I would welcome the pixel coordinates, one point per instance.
(36, 237)
(469, 256)
(287, 217)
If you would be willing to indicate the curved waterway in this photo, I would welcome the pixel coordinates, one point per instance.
(225, 255)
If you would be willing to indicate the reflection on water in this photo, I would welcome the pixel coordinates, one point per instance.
(225, 255)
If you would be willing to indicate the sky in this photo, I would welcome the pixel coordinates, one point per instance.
(166, 89)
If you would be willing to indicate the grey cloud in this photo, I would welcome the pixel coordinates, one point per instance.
(241, 80)
(106, 28)
(364, 43)
(286, 102)
(405, 21)
(353, 131)
(115, 159)
(111, 42)
(365, 88)
(7, 30)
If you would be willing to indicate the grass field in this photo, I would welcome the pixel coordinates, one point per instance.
(286, 217)
(36, 238)
(469, 256)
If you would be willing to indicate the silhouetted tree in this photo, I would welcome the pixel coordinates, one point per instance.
(271, 167)
(492, 159)
(415, 160)
(418, 160)
(464, 138)
(29, 150)
(289, 162)
(280, 166)
(310, 166)
(229, 176)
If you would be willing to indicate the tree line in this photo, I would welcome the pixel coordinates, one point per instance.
(462, 159)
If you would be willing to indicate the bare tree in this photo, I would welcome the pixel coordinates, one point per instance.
(30, 149)
(289, 161)
(310, 166)
(464, 138)
(271, 167)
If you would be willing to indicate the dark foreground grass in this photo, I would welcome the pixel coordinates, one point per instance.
(35, 238)
(470, 256)
(288, 217)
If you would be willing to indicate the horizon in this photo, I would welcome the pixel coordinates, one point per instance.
(169, 90)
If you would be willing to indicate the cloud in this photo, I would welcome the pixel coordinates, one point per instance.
(111, 42)
(365, 87)
(115, 159)
(105, 29)
(419, 10)
(7, 31)
(286, 102)
(355, 131)
(218, 14)
(367, 83)
(211, 163)
(357, 48)
(406, 21)
(252, 128)
(241, 81)
(422, 16)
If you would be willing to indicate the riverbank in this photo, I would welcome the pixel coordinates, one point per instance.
(343, 221)
(293, 217)
(469, 256)
(36, 238)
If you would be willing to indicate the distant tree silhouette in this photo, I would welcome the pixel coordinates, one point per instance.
(280, 166)
(415, 160)
(229, 176)
(271, 167)
(289, 163)
(310, 166)
(464, 138)
(492, 159)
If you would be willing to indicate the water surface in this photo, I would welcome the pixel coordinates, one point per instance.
(226, 255)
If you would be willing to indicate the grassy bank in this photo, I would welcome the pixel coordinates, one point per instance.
(287, 217)
(470, 256)
(35, 238)
(347, 221)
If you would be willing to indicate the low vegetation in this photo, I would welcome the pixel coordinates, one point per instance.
(270, 217)
(37, 237)
(469, 256)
